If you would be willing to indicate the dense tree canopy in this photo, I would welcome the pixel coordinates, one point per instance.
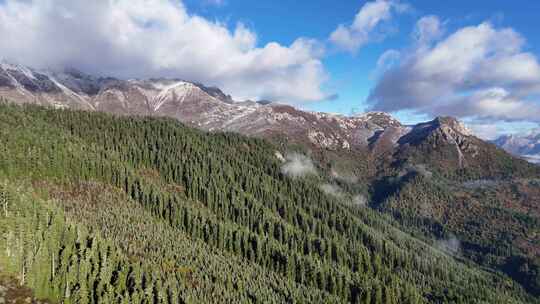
(99, 209)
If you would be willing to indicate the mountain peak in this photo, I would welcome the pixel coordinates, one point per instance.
(453, 123)
(75, 73)
(25, 79)
(381, 119)
(216, 93)
(443, 134)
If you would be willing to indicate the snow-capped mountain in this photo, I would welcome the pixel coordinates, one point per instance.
(527, 146)
(208, 108)
(194, 104)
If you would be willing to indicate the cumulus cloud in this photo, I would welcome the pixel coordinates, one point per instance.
(386, 61)
(365, 25)
(480, 72)
(428, 29)
(158, 38)
(492, 103)
(298, 165)
(487, 131)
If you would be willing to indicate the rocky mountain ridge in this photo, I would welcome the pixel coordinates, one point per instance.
(527, 146)
(210, 109)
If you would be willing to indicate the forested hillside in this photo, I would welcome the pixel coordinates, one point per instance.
(486, 204)
(495, 221)
(103, 209)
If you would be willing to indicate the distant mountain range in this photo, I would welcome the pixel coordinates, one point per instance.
(376, 134)
(527, 146)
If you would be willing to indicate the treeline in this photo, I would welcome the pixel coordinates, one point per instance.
(151, 190)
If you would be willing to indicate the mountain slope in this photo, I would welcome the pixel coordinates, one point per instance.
(445, 184)
(426, 176)
(373, 139)
(374, 135)
(191, 103)
(145, 209)
(492, 222)
(449, 148)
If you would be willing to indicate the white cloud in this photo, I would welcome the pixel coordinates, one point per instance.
(332, 190)
(345, 177)
(158, 38)
(428, 29)
(298, 165)
(451, 245)
(388, 58)
(364, 27)
(487, 131)
(386, 61)
(359, 200)
(479, 72)
(494, 103)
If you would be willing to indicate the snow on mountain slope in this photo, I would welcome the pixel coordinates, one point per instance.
(177, 91)
(25, 85)
(527, 146)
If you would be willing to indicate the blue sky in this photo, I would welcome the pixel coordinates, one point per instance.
(476, 60)
(351, 75)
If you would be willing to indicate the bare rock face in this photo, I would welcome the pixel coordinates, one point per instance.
(6, 81)
(381, 119)
(445, 129)
(445, 140)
